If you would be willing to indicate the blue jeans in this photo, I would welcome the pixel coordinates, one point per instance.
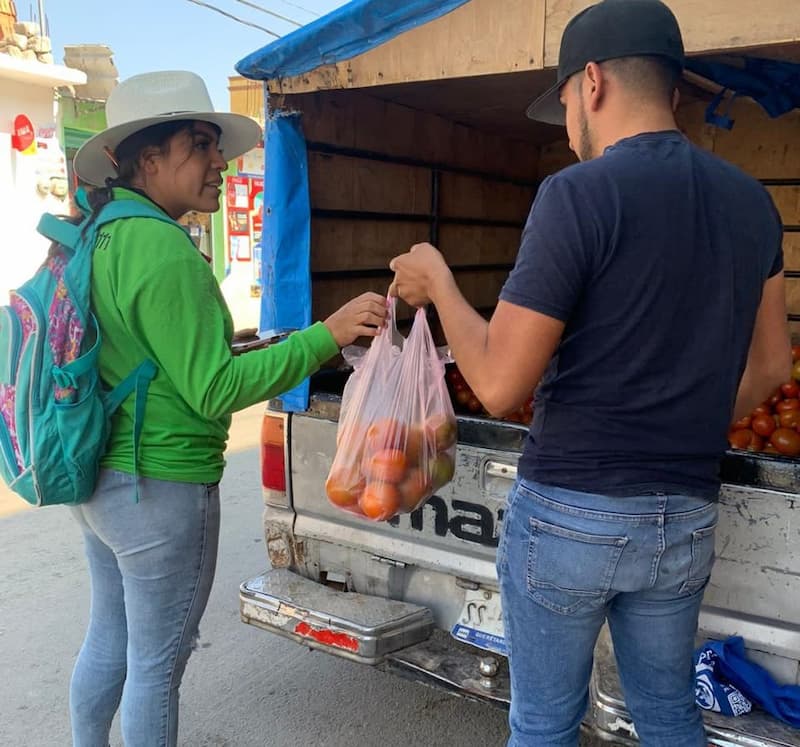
(569, 561)
(151, 565)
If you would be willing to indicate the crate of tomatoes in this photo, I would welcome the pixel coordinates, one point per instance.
(465, 401)
(774, 426)
(397, 433)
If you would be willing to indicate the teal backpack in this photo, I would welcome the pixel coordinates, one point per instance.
(55, 415)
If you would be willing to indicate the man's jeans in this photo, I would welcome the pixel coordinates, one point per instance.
(151, 565)
(568, 561)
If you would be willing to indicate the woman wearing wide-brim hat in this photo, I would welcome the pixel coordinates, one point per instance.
(152, 561)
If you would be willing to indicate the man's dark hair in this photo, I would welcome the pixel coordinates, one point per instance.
(651, 77)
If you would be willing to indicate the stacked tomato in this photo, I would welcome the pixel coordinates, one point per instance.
(464, 399)
(774, 426)
(393, 466)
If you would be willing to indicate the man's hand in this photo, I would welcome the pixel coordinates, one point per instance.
(419, 274)
(364, 315)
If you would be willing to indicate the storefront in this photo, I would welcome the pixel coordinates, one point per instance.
(33, 167)
(240, 255)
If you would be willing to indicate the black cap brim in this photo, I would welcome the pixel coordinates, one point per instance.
(548, 107)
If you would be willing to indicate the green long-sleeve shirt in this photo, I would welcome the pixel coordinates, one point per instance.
(156, 297)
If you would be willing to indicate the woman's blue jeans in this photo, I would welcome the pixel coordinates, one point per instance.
(152, 566)
(567, 562)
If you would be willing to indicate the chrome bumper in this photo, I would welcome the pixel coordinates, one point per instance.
(355, 626)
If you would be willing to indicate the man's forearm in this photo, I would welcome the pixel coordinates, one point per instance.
(467, 334)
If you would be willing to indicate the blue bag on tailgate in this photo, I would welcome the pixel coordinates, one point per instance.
(733, 670)
(55, 415)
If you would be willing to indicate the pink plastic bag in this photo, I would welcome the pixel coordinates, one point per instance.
(397, 432)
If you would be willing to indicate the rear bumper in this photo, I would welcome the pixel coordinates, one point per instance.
(402, 638)
(396, 636)
(356, 626)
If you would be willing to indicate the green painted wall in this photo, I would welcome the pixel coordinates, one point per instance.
(80, 119)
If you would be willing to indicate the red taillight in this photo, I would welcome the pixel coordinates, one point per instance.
(273, 453)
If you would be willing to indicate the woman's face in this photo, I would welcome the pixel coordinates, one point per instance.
(187, 175)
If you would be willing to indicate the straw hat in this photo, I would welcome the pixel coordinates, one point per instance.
(154, 98)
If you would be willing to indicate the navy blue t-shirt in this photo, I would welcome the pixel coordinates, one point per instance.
(654, 256)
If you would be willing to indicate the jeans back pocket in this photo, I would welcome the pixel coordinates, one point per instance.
(569, 569)
(702, 560)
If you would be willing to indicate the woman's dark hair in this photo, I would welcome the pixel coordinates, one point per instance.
(127, 157)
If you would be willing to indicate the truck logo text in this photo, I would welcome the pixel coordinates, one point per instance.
(472, 522)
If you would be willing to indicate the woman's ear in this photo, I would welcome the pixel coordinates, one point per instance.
(149, 160)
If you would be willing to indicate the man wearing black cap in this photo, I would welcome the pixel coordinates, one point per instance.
(647, 305)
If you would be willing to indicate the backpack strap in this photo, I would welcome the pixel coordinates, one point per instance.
(137, 381)
(59, 230)
(82, 201)
(117, 209)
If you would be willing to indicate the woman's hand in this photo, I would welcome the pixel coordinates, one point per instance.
(363, 316)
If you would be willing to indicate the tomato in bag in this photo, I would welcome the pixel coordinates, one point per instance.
(396, 441)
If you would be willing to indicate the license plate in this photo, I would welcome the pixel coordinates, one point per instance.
(480, 622)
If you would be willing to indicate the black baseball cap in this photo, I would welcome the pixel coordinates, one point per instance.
(606, 31)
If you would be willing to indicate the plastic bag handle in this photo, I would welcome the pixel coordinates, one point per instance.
(396, 337)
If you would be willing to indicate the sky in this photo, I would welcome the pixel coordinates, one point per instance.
(148, 35)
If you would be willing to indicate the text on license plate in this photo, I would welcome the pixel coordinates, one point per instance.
(480, 622)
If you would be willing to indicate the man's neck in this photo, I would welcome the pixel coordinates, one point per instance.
(624, 127)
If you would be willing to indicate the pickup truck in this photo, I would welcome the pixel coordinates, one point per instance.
(412, 140)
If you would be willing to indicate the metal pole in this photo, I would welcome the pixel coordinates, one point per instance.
(42, 29)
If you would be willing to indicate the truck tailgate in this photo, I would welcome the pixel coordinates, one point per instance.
(456, 532)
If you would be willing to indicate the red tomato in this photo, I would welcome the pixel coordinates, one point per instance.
(416, 486)
(763, 425)
(788, 419)
(756, 443)
(776, 397)
(786, 441)
(787, 404)
(742, 423)
(344, 487)
(454, 376)
(380, 501)
(795, 353)
(442, 431)
(463, 397)
(386, 433)
(388, 465)
(740, 439)
(790, 390)
(415, 444)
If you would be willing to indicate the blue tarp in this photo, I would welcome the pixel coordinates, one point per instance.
(351, 30)
(286, 237)
(773, 84)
